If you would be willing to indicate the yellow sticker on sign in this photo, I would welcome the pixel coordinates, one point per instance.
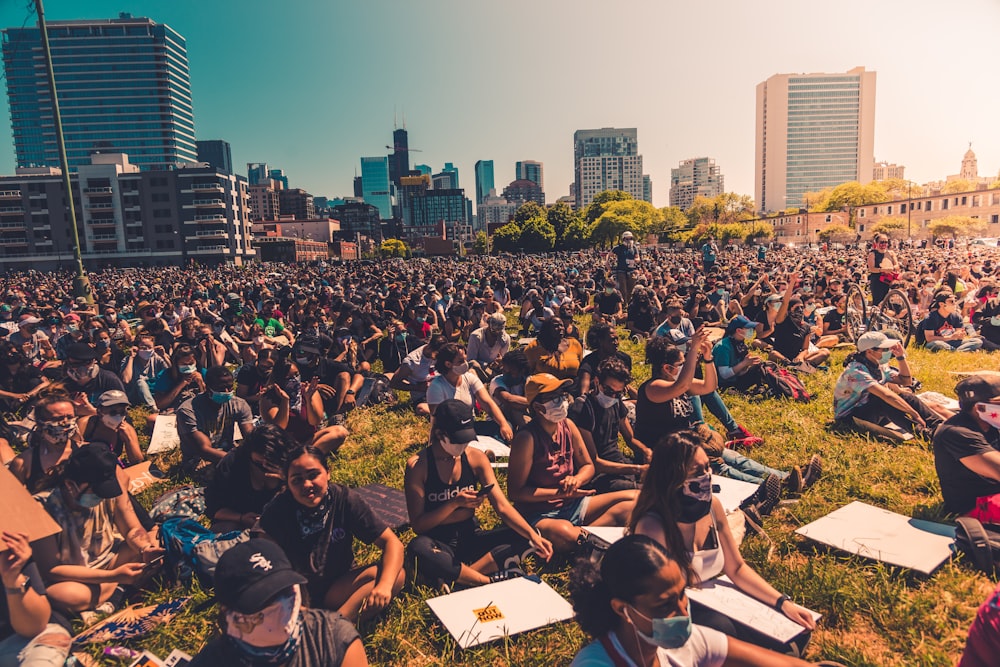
(486, 614)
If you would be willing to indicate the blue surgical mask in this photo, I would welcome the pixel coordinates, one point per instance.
(221, 397)
(749, 335)
(886, 356)
(89, 500)
(187, 370)
(668, 633)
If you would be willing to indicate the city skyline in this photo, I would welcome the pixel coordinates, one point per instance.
(931, 98)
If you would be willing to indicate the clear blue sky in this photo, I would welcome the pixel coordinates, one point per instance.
(310, 85)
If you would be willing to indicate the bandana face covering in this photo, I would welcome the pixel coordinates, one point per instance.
(696, 498)
(271, 635)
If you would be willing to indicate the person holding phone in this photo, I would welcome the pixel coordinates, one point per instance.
(441, 497)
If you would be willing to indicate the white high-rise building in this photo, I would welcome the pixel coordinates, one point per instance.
(813, 131)
(606, 159)
(695, 177)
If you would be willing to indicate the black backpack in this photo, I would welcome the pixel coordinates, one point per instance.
(979, 542)
(374, 391)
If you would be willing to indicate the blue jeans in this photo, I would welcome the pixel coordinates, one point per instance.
(715, 405)
(139, 393)
(965, 345)
(48, 649)
(740, 467)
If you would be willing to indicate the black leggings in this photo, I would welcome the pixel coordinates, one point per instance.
(878, 411)
(437, 557)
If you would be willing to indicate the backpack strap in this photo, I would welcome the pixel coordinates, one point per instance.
(979, 547)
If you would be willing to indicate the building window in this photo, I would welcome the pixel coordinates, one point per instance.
(888, 210)
(861, 212)
(994, 219)
(829, 218)
(161, 212)
(964, 200)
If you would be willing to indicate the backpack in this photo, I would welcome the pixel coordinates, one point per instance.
(783, 383)
(194, 550)
(980, 542)
(187, 501)
(375, 390)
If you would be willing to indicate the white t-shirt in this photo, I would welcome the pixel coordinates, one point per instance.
(440, 390)
(705, 648)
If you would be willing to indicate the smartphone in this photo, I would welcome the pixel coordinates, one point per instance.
(155, 562)
(486, 489)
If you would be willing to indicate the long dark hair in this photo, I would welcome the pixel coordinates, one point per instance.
(667, 474)
(624, 573)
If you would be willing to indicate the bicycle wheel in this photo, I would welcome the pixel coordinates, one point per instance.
(856, 317)
(894, 314)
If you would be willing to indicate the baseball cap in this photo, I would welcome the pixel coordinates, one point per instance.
(874, 339)
(249, 575)
(95, 464)
(740, 322)
(81, 352)
(112, 397)
(543, 383)
(978, 388)
(455, 418)
(27, 320)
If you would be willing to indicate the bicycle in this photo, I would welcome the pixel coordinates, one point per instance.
(892, 314)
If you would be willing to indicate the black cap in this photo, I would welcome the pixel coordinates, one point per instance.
(81, 352)
(455, 419)
(95, 464)
(249, 575)
(979, 388)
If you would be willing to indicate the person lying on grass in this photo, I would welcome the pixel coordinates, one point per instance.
(315, 522)
(442, 496)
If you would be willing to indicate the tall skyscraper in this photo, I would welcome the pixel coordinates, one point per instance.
(399, 161)
(484, 180)
(606, 159)
(423, 169)
(522, 191)
(216, 153)
(698, 176)
(447, 179)
(279, 176)
(813, 131)
(375, 184)
(123, 88)
(257, 173)
(647, 188)
(529, 170)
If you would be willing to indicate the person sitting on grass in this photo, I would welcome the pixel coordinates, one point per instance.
(456, 381)
(678, 510)
(737, 367)
(507, 388)
(315, 522)
(967, 450)
(100, 551)
(264, 619)
(634, 605)
(415, 372)
(206, 423)
(29, 632)
(869, 390)
(442, 496)
(247, 479)
(600, 415)
(944, 328)
(109, 426)
(549, 468)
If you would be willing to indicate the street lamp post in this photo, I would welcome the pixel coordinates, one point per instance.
(909, 209)
(81, 284)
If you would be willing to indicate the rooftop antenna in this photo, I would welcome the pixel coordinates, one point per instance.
(395, 124)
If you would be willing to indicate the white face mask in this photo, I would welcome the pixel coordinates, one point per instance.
(605, 401)
(556, 410)
(453, 448)
(460, 369)
(112, 421)
(271, 626)
(989, 413)
(995, 321)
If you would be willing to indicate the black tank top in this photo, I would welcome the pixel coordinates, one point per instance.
(117, 446)
(654, 421)
(436, 492)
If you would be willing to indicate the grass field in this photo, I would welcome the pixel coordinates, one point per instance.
(872, 614)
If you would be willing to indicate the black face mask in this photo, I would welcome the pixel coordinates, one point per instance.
(695, 498)
(675, 320)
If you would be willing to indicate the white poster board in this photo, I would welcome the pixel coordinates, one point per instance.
(864, 530)
(166, 439)
(732, 492)
(485, 443)
(486, 613)
(721, 595)
(607, 533)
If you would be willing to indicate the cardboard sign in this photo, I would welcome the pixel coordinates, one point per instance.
(139, 477)
(22, 513)
(607, 533)
(864, 530)
(732, 492)
(721, 595)
(387, 504)
(485, 443)
(486, 613)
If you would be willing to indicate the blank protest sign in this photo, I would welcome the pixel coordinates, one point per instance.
(485, 613)
(166, 439)
(732, 492)
(869, 531)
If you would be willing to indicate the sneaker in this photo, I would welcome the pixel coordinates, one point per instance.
(740, 433)
(744, 443)
(506, 575)
(772, 494)
(794, 483)
(812, 471)
(754, 521)
(590, 546)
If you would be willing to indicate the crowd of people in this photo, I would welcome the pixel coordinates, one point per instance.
(261, 364)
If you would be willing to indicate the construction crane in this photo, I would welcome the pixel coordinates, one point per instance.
(394, 149)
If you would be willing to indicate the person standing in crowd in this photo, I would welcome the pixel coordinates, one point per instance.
(883, 268)
(626, 261)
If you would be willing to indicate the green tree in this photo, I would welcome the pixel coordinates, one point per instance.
(481, 244)
(561, 216)
(894, 228)
(957, 185)
(507, 238)
(956, 226)
(601, 201)
(576, 236)
(724, 209)
(672, 223)
(758, 232)
(631, 215)
(393, 248)
(836, 233)
(537, 235)
(846, 195)
(527, 211)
